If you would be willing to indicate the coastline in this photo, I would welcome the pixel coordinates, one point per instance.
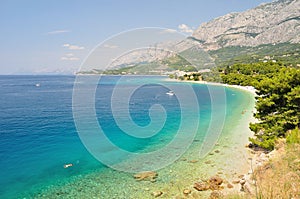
(242, 160)
(245, 88)
(229, 159)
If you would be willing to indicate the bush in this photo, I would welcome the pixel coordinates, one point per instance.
(293, 137)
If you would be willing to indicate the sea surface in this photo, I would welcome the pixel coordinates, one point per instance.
(38, 134)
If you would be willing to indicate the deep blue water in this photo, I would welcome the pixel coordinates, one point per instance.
(38, 134)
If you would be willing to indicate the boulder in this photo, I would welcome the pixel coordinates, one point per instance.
(215, 182)
(201, 186)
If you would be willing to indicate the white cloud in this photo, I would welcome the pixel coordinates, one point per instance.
(110, 46)
(184, 28)
(57, 32)
(73, 47)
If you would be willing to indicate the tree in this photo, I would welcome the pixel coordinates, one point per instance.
(278, 100)
(278, 107)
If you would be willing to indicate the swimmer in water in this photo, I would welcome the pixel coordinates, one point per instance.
(68, 165)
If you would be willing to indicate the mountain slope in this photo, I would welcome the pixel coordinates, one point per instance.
(275, 22)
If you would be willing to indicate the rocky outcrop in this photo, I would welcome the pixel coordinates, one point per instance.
(275, 22)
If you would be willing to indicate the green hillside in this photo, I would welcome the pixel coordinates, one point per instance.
(286, 53)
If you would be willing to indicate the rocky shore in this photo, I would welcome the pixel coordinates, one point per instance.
(218, 186)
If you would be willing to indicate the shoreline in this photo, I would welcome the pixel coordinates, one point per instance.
(250, 89)
(249, 159)
(229, 159)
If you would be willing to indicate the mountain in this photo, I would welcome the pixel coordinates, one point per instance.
(269, 23)
(269, 32)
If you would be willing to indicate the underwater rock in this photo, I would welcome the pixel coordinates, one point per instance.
(216, 180)
(157, 193)
(230, 186)
(186, 191)
(217, 151)
(147, 175)
(214, 183)
(215, 195)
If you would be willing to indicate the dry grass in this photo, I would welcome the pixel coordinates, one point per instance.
(280, 177)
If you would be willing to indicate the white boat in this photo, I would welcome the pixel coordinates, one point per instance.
(170, 93)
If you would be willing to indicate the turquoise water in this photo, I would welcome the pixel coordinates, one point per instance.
(38, 133)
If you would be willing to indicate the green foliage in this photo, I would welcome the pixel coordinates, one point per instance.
(286, 53)
(249, 74)
(212, 76)
(191, 76)
(117, 71)
(293, 137)
(278, 104)
(278, 98)
(179, 63)
(171, 76)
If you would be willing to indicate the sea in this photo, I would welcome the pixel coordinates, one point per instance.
(44, 123)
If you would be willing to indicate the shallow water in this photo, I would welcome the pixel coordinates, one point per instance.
(38, 135)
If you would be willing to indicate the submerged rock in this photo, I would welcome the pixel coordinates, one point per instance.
(208, 162)
(147, 175)
(217, 151)
(157, 193)
(215, 195)
(186, 191)
(216, 180)
(193, 161)
(230, 186)
(214, 183)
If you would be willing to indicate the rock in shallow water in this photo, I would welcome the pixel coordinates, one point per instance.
(215, 195)
(214, 183)
(230, 186)
(216, 180)
(147, 175)
(157, 193)
(186, 191)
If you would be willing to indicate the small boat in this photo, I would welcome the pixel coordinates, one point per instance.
(170, 93)
(37, 85)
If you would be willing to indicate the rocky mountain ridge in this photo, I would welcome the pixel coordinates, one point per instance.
(274, 22)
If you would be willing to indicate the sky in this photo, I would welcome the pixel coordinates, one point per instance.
(55, 36)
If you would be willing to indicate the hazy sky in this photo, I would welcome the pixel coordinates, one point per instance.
(56, 35)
